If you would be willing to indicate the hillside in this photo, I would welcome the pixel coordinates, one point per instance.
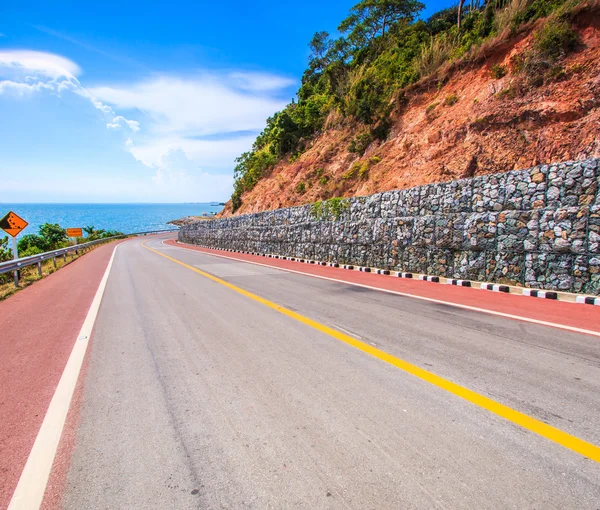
(520, 96)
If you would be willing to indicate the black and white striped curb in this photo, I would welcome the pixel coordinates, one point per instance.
(495, 287)
(588, 300)
(545, 294)
(460, 283)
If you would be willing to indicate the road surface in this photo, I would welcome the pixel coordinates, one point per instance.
(197, 396)
(216, 383)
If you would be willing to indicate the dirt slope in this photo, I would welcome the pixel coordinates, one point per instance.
(474, 124)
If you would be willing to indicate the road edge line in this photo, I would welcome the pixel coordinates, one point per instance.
(30, 490)
(521, 318)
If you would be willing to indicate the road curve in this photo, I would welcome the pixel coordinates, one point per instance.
(198, 396)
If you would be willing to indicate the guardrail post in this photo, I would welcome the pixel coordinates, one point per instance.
(39, 265)
(65, 257)
(54, 260)
(16, 278)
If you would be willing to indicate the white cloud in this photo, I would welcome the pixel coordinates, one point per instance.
(20, 88)
(196, 106)
(260, 82)
(201, 121)
(38, 62)
(2, 35)
(208, 153)
(29, 72)
(119, 121)
(208, 119)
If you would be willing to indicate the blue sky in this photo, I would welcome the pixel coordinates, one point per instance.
(144, 102)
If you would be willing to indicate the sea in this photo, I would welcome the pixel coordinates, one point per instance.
(126, 218)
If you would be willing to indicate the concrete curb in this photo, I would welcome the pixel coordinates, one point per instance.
(545, 294)
(460, 283)
(588, 300)
(494, 287)
(426, 278)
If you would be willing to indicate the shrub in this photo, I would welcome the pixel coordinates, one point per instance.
(429, 110)
(363, 172)
(32, 243)
(301, 188)
(451, 100)
(498, 71)
(323, 181)
(360, 142)
(352, 171)
(555, 39)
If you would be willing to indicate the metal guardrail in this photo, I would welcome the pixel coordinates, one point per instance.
(18, 264)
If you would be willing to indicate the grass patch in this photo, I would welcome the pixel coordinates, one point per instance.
(329, 209)
(360, 142)
(301, 188)
(498, 71)
(555, 39)
(451, 100)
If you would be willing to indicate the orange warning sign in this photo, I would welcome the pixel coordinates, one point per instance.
(75, 232)
(12, 224)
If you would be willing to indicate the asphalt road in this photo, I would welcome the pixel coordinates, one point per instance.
(197, 396)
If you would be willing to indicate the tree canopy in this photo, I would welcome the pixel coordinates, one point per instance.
(371, 18)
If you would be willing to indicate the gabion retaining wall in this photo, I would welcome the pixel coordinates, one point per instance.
(538, 227)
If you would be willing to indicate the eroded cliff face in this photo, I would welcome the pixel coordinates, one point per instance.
(474, 124)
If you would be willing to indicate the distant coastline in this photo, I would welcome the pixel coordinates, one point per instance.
(128, 218)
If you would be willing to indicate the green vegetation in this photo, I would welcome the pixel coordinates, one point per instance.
(93, 234)
(540, 64)
(329, 209)
(301, 188)
(498, 71)
(555, 39)
(51, 237)
(360, 142)
(5, 255)
(451, 100)
(383, 49)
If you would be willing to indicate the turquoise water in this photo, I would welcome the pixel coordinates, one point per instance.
(126, 218)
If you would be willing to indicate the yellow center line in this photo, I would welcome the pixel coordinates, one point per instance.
(580, 446)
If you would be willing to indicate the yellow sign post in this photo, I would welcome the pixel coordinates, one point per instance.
(75, 232)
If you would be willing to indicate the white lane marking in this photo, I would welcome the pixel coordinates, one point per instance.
(30, 490)
(415, 296)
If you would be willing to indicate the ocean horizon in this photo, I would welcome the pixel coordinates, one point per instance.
(124, 217)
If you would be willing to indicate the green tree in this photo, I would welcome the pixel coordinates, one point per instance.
(54, 235)
(319, 46)
(89, 230)
(371, 18)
